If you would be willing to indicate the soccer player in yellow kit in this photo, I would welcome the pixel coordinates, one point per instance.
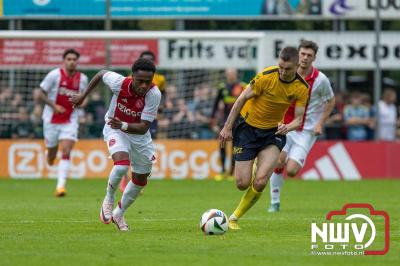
(255, 125)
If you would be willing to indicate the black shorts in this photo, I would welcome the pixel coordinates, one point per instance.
(248, 141)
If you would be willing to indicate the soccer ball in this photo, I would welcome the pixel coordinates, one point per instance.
(214, 222)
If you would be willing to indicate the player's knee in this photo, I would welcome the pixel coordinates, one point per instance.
(259, 184)
(280, 164)
(242, 184)
(66, 154)
(50, 160)
(140, 179)
(291, 172)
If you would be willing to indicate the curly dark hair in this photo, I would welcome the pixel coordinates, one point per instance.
(148, 53)
(71, 51)
(144, 65)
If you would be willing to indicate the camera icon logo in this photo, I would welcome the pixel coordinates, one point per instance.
(356, 229)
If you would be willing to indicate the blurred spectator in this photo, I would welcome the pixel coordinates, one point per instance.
(95, 112)
(387, 120)
(36, 119)
(7, 112)
(366, 101)
(22, 128)
(356, 118)
(182, 122)
(159, 81)
(170, 107)
(170, 97)
(228, 91)
(202, 106)
(334, 126)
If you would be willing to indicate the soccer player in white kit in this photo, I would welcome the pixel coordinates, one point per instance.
(60, 119)
(133, 108)
(299, 143)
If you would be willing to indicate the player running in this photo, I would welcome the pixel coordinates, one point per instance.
(258, 131)
(299, 142)
(60, 119)
(133, 108)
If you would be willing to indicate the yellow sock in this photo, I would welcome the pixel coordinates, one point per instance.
(253, 173)
(247, 201)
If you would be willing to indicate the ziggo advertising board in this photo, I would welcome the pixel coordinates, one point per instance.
(180, 159)
(90, 159)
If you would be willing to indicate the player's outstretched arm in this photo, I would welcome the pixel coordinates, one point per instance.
(131, 128)
(78, 99)
(283, 129)
(226, 132)
(329, 105)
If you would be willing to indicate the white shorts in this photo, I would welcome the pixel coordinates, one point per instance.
(54, 132)
(139, 147)
(298, 145)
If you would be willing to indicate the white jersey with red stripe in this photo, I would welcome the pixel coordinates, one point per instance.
(320, 92)
(128, 106)
(59, 86)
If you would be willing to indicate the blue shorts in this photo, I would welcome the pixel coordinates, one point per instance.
(248, 141)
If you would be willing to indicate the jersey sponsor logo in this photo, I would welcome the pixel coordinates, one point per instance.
(128, 111)
(237, 150)
(66, 91)
(139, 104)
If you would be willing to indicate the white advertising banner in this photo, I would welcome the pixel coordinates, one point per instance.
(207, 53)
(348, 50)
(337, 50)
(361, 9)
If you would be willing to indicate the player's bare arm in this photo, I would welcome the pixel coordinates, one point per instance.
(131, 128)
(330, 104)
(283, 129)
(58, 109)
(78, 99)
(226, 132)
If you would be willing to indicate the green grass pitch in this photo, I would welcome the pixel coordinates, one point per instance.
(38, 229)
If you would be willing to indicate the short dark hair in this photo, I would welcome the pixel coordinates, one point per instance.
(144, 65)
(309, 45)
(150, 53)
(71, 51)
(289, 53)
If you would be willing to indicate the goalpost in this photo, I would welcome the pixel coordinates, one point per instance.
(193, 63)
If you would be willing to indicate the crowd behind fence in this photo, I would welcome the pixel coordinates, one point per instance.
(186, 114)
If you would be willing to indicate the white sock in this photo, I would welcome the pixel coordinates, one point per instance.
(276, 183)
(233, 217)
(62, 172)
(130, 194)
(116, 174)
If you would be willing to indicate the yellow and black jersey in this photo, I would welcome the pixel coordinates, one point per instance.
(159, 80)
(273, 97)
(227, 93)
